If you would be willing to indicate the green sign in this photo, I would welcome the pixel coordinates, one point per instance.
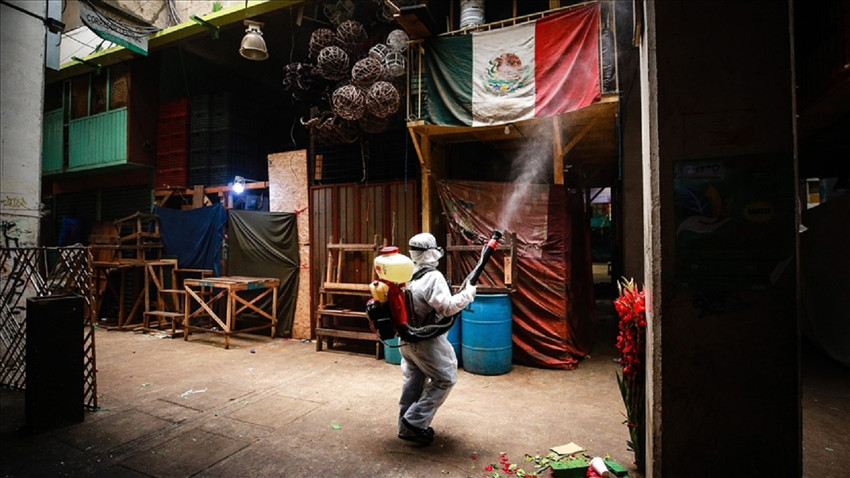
(136, 42)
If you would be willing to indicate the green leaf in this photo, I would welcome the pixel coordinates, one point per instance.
(335, 426)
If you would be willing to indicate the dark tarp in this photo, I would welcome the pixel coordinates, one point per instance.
(552, 306)
(193, 235)
(265, 244)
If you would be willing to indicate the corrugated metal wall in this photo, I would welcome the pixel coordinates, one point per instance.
(51, 154)
(356, 213)
(98, 140)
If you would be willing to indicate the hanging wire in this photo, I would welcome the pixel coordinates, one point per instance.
(119, 26)
(292, 98)
(172, 11)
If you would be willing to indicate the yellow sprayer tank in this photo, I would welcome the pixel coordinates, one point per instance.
(392, 266)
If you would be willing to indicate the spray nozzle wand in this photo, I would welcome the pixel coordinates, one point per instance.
(486, 251)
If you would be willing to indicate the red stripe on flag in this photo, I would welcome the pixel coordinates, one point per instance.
(567, 61)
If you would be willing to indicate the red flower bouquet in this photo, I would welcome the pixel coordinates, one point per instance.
(631, 342)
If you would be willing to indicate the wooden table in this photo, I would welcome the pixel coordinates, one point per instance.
(227, 290)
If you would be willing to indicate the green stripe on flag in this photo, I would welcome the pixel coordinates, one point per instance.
(449, 80)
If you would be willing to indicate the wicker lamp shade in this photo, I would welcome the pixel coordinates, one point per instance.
(298, 76)
(367, 71)
(349, 102)
(321, 38)
(397, 40)
(395, 64)
(383, 99)
(379, 51)
(351, 36)
(333, 63)
(338, 12)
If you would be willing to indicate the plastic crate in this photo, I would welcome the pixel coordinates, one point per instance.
(174, 159)
(172, 142)
(199, 113)
(174, 177)
(199, 175)
(174, 108)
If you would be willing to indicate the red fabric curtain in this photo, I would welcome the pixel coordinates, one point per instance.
(551, 323)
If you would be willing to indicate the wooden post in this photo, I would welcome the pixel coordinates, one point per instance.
(559, 150)
(198, 196)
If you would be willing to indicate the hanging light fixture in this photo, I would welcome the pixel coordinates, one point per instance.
(253, 46)
(239, 185)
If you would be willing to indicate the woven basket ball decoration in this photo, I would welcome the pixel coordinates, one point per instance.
(351, 35)
(333, 63)
(338, 12)
(379, 51)
(349, 102)
(394, 63)
(397, 40)
(367, 71)
(298, 76)
(383, 99)
(321, 38)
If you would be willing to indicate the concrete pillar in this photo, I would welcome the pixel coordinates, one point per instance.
(22, 46)
(720, 239)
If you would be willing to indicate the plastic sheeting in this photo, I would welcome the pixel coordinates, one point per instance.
(265, 244)
(552, 308)
(194, 236)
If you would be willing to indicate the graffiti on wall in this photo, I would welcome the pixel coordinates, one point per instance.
(15, 232)
(10, 202)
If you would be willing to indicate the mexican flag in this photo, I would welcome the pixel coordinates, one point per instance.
(540, 68)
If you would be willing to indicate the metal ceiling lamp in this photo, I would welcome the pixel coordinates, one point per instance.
(253, 46)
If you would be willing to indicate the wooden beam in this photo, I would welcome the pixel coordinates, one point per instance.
(426, 181)
(198, 196)
(559, 150)
(415, 139)
(580, 135)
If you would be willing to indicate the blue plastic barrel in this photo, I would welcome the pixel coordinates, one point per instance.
(487, 346)
(454, 335)
(392, 354)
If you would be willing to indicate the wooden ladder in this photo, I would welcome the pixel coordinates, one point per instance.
(166, 309)
(347, 319)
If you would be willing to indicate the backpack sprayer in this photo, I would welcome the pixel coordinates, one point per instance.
(388, 308)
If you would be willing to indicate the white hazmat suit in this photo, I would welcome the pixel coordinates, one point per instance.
(430, 366)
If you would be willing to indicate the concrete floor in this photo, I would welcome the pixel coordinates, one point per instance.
(276, 407)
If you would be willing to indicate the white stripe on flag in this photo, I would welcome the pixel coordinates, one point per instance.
(503, 75)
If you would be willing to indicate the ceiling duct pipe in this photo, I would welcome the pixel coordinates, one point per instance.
(471, 13)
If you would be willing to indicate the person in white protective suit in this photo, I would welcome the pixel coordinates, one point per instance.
(429, 366)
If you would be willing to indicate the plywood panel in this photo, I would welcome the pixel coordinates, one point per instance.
(289, 192)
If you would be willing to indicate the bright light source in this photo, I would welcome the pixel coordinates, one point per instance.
(238, 185)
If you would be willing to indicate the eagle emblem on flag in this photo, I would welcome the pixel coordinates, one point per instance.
(505, 74)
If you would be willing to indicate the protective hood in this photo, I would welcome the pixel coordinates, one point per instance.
(424, 250)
